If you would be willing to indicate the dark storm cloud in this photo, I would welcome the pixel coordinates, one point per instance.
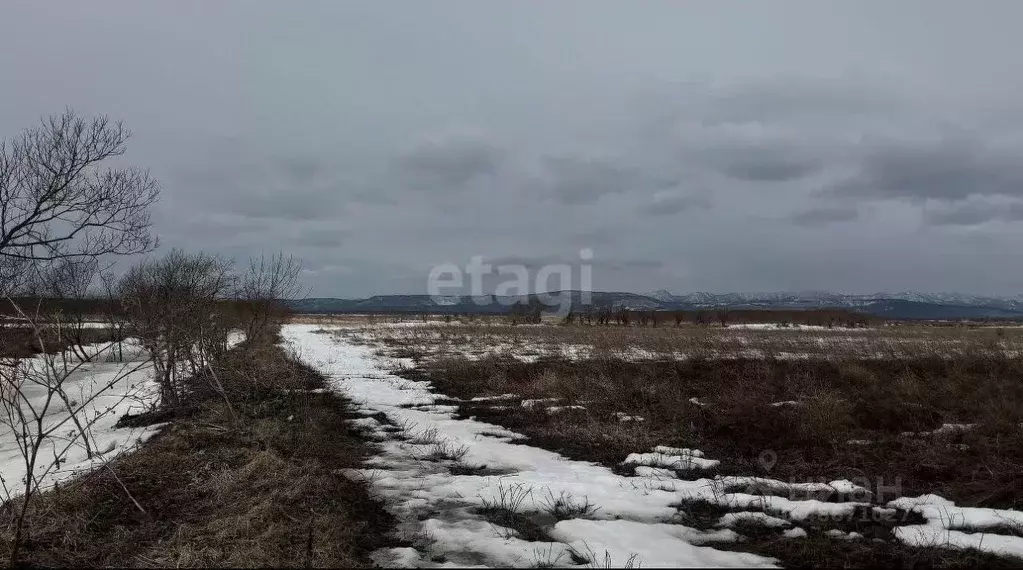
(824, 215)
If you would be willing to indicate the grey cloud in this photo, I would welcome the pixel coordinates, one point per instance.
(761, 145)
(973, 213)
(598, 262)
(449, 161)
(627, 264)
(671, 203)
(824, 215)
(796, 99)
(767, 167)
(212, 225)
(290, 205)
(951, 169)
(529, 262)
(235, 180)
(598, 236)
(322, 237)
(578, 181)
(768, 149)
(301, 170)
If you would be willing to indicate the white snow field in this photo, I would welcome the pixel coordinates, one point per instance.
(122, 387)
(116, 381)
(435, 472)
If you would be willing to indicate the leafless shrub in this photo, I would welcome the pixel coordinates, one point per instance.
(265, 284)
(175, 307)
(69, 282)
(47, 420)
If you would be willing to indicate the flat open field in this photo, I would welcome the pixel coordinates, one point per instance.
(573, 444)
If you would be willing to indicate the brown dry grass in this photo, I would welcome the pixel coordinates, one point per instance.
(265, 491)
(491, 336)
(864, 386)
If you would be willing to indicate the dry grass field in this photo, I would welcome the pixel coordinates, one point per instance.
(901, 410)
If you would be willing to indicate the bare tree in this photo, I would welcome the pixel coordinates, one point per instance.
(268, 281)
(60, 210)
(67, 285)
(623, 315)
(113, 314)
(680, 316)
(58, 202)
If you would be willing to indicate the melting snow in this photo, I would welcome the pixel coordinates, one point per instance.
(106, 390)
(556, 409)
(729, 520)
(430, 501)
(538, 402)
(946, 525)
(684, 462)
(613, 520)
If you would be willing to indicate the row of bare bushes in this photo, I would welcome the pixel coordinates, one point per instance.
(66, 216)
(624, 316)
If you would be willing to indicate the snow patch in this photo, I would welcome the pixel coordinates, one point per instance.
(617, 544)
(946, 525)
(683, 461)
(625, 514)
(729, 520)
(794, 533)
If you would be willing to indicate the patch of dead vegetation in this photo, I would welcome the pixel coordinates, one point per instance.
(260, 487)
(805, 411)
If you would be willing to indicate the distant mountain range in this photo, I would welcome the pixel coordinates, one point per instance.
(906, 305)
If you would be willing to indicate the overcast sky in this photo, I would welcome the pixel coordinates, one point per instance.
(713, 146)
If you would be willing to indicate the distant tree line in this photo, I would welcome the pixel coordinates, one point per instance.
(623, 316)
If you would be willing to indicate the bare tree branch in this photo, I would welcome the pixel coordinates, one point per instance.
(58, 202)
